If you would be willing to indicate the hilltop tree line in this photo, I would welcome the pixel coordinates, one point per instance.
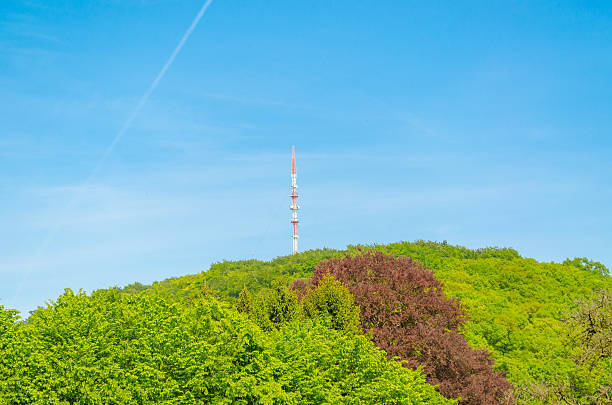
(399, 323)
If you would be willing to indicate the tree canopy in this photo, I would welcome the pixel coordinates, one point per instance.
(406, 313)
(516, 309)
(113, 347)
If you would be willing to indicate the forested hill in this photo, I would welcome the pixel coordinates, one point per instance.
(516, 305)
(404, 323)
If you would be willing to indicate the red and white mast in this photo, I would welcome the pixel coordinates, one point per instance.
(294, 207)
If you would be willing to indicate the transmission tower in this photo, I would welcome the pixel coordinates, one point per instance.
(294, 207)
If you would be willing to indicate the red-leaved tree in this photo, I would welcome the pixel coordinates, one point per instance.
(408, 315)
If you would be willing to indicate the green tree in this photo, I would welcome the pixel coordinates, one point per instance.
(515, 304)
(245, 301)
(118, 348)
(332, 302)
(585, 264)
(589, 329)
(275, 306)
(588, 335)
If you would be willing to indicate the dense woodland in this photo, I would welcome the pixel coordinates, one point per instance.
(407, 323)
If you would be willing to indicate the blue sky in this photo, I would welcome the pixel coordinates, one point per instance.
(480, 123)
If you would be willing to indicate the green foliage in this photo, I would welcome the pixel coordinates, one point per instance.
(588, 335)
(245, 302)
(333, 303)
(182, 288)
(227, 278)
(585, 264)
(406, 313)
(589, 329)
(347, 369)
(118, 348)
(274, 307)
(428, 252)
(12, 353)
(516, 305)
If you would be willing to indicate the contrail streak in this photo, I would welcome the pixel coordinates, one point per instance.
(152, 87)
(126, 126)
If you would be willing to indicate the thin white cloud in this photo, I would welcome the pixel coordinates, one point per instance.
(126, 126)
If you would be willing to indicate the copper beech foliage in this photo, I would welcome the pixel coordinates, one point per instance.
(406, 313)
